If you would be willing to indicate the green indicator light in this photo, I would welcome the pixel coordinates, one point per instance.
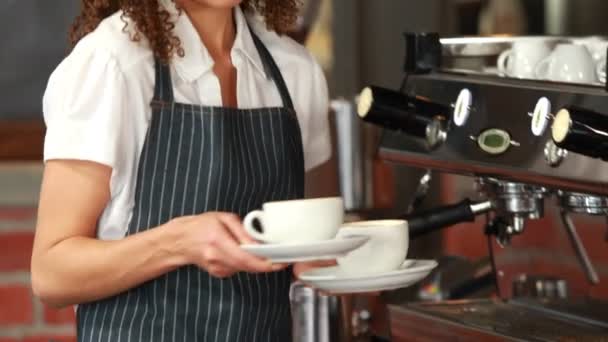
(494, 141)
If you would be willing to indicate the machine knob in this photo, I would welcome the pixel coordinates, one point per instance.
(554, 155)
(541, 116)
(581, 131)
(416, 116)
(463, 107)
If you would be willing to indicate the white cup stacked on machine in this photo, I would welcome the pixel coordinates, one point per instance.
(598, 47)
(570, 63)
(521, 60)
(581, 61)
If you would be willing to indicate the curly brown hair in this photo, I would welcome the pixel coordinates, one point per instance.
(153, 21)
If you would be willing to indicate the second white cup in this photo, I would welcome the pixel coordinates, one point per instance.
(569, 63)
(520, 61)
(385, 251)
(596, 45)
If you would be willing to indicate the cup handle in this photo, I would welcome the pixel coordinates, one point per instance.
(601, 71)
(502, 61)
(248, 224)
(542, 69)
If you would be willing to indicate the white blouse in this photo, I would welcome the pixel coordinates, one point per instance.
(97, 103)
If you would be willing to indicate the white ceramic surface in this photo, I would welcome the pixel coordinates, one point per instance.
(297, 221)
(311, 251)
(521, 60)
(332, 280)
(569, 63)
(385, 250)
(601, 72)
(597, 46)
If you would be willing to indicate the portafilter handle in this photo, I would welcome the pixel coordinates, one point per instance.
(426, 222)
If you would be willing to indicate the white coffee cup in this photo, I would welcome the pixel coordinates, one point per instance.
(520, 61)
(571, 63)
(598, 48)
(385, 251)
(297, 221)
(596, 45)
(601, 72)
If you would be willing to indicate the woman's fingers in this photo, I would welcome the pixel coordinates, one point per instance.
(235, 257)
(219, 271)
(223, 255)
(235, 227)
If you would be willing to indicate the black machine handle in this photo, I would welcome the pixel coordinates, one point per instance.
(426, 222)
(394, 110)
(581, 131)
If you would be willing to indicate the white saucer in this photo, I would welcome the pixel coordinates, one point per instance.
(311, 251)
(330, 280)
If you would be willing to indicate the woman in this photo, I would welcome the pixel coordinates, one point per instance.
(166, 123)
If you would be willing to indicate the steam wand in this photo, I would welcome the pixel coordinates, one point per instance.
(579, 248)
(421, 191)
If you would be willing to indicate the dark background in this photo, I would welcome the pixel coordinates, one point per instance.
(34, 41)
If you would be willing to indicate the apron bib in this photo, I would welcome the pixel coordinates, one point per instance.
(198, 159)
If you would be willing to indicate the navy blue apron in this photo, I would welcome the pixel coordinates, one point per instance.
(197, 159)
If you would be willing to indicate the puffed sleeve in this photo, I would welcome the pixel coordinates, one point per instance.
(317, 149)
(84, 108)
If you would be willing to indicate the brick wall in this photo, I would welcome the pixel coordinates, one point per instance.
(22, 317)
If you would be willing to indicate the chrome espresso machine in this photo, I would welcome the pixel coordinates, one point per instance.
(525, 142)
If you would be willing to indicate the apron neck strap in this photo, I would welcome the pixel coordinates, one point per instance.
(163, 88)
(273, 69)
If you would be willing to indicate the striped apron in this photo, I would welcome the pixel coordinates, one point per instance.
(197, 159)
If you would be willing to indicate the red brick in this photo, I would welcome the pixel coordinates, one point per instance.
(62, 316)
(49, 339)
(16, 251)
(17, 213)
(15, 305)
(6, 339)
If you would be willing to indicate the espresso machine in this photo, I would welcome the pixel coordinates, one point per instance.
(525, 143)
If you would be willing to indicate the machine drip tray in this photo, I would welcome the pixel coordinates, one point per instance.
(495, 320)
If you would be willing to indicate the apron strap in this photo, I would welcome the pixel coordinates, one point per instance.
(275, 73)
(163, 87)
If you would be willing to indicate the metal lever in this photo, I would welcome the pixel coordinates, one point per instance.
(579, 248)
(421, 191)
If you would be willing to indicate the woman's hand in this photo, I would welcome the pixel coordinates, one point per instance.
(211, 241)
(302, 267)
